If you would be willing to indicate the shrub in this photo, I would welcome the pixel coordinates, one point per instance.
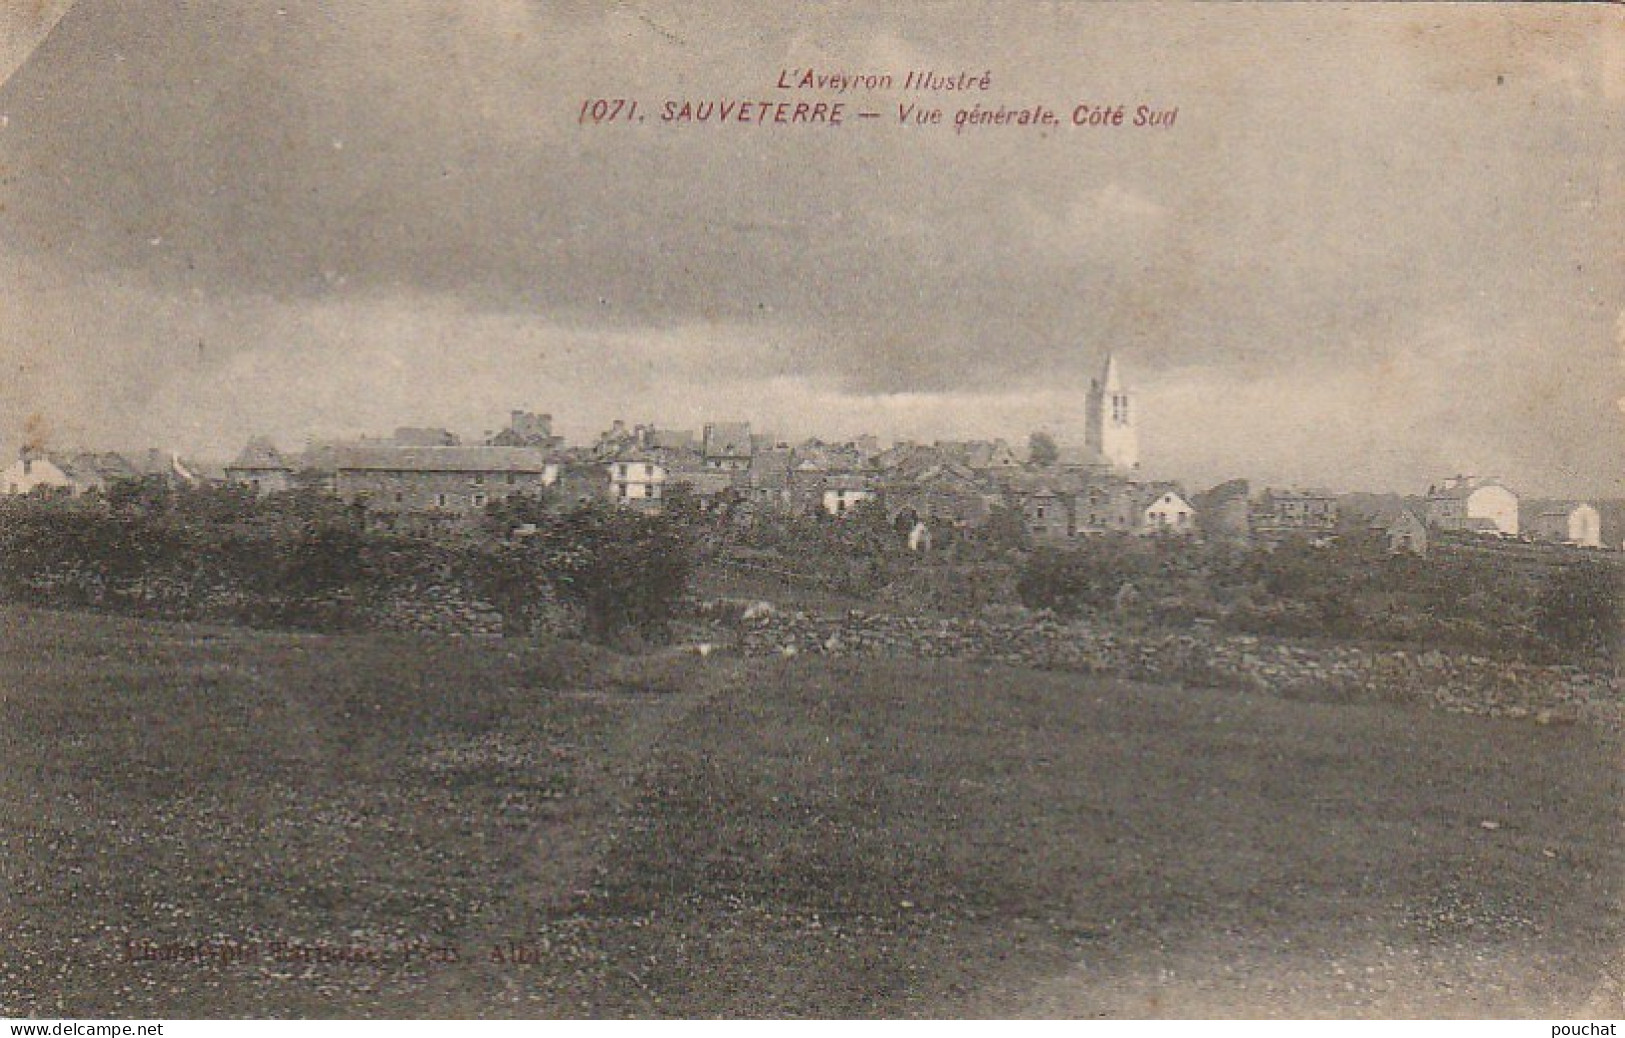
(625, 570)
(1088, 579)
(1579, 612)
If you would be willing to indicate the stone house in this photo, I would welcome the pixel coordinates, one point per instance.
(1574, 523)
(727, 446)
(1294, 511)
(261, 467)
(1048, 515)
(1407, 534)
(766, 486)
(1104, 504)
(425, 486)
(1473, 505)
(948, 492)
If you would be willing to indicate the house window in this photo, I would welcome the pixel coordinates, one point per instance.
(440, 500)
(479, 479)
(479, 500)
(399, 497)
(1040, 513)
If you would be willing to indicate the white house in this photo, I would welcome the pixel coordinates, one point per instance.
(33, 469)
(637, 482)
(1474, 505)
(844, 493)
(1169, 513)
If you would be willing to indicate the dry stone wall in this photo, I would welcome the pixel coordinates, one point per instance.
(1333, 672)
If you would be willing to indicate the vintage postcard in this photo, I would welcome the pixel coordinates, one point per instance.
(669, 510)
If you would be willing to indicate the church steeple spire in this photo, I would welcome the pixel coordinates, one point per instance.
(1110, 380)
(1112, 432)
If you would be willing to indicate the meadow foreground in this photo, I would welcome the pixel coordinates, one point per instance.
(207, 821)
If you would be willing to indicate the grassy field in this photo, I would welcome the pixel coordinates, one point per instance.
(393, 826)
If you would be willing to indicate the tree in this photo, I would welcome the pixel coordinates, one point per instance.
(1041, 449)
(212, 505)
(324, 558)
(148, 496)
(625, 570)
(680, 503)
(1086, 579)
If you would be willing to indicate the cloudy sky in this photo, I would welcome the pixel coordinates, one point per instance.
(1379, 244)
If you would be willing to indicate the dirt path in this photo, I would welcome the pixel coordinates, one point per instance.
(559, 863)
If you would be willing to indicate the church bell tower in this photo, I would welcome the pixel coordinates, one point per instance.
(1112, 434)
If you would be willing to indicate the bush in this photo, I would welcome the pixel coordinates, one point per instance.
(1579, 612)
(304, 560)
(625, 570)
(1071, 583)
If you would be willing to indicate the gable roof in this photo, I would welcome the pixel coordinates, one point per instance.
(260, 453)
(1169, 496)
(92, 467)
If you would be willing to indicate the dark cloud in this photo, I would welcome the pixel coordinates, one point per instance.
(1343, 188)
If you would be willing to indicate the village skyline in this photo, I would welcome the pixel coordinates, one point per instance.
(895, 420)
(427, 479)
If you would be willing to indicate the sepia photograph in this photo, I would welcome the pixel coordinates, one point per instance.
(687, 510)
